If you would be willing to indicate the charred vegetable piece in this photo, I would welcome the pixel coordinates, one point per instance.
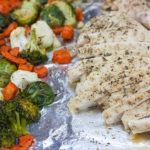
(53, 16)
(3, 121)
(26, 14)
(68, 11)
(39, 93)
(4, 21)
(34, 54)
(7, 138)
(6, 69)
(29, 111)
(12, 118)
(16, 114)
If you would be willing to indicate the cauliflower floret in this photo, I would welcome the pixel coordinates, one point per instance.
(45, 36)
(22, 78)
(18, 38)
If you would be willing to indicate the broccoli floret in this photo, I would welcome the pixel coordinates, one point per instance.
(6, 69)
(39, 93)
(19, 113)
(53, 16)
(4, 22)
(7, 138)
(18, 124)
(26, 14)
(34, 54)
(3, 120)
(29, 111)
(13, 118)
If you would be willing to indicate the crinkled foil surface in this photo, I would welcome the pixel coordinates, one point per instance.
(58, 130)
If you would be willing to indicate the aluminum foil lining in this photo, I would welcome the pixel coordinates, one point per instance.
(58, 130)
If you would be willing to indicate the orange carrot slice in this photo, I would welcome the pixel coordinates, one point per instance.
(2, 42)
(79, 14)
(58, 30)
(26, 67)
(68, 32)
(7, 55)
(10, 28)
(61, 57)
(42, 71)
(27, 30)
(9, 91)
(2, 36)
(14, 51)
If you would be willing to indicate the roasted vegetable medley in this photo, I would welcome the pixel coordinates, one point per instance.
(22, 110)
(29, 30)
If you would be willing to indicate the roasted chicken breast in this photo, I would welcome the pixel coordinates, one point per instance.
(114, 69)
(137, 9)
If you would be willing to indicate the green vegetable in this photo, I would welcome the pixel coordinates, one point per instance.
(4, 79)
(43, 1)
(26, 14)
(53, 16)
(6, 69)
(69, 1)
(34, 54)
(68, 11)
(4, 22)
(29, 111)
(7, 138)
(40, 2)
(3, 119)
(17, 114)
(12, 117)
(39, 93)
(49, 49)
